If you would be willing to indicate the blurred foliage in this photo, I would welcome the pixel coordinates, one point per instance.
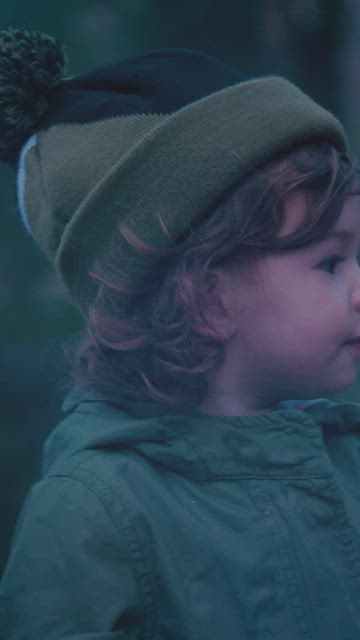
(312, 42)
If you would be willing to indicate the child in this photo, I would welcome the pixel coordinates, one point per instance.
(207, 226)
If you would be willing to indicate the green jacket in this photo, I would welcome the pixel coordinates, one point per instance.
(190, 527)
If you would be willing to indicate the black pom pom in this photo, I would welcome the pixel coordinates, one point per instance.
(31, 63)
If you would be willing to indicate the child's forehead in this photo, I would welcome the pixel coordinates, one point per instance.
(296, 207)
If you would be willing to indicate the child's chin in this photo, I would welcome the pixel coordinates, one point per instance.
(343, 384)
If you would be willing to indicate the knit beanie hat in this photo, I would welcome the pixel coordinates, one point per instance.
(152, 141)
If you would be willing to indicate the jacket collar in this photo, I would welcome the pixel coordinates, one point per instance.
(333, 417)
(285, 443)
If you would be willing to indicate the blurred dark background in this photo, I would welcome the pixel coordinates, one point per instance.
(312, 42)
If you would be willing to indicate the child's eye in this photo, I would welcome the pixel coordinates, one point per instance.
(331, 263)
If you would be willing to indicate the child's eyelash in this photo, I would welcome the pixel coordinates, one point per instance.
(331, 263)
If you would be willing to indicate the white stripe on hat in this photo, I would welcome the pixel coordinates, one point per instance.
(21, 177)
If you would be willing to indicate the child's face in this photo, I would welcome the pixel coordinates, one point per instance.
(293, 324)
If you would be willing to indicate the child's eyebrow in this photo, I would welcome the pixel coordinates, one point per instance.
(339, 234)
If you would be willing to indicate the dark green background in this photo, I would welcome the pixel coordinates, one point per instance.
(312, 42)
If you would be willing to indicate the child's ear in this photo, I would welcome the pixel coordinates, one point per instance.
(217, 314)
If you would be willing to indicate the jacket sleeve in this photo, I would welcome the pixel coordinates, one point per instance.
(69, 576)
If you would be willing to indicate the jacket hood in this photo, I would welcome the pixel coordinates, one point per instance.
(280, 443)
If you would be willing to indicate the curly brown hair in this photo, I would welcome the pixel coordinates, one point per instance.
(156, 343)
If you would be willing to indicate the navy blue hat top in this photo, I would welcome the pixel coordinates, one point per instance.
(157, 82)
